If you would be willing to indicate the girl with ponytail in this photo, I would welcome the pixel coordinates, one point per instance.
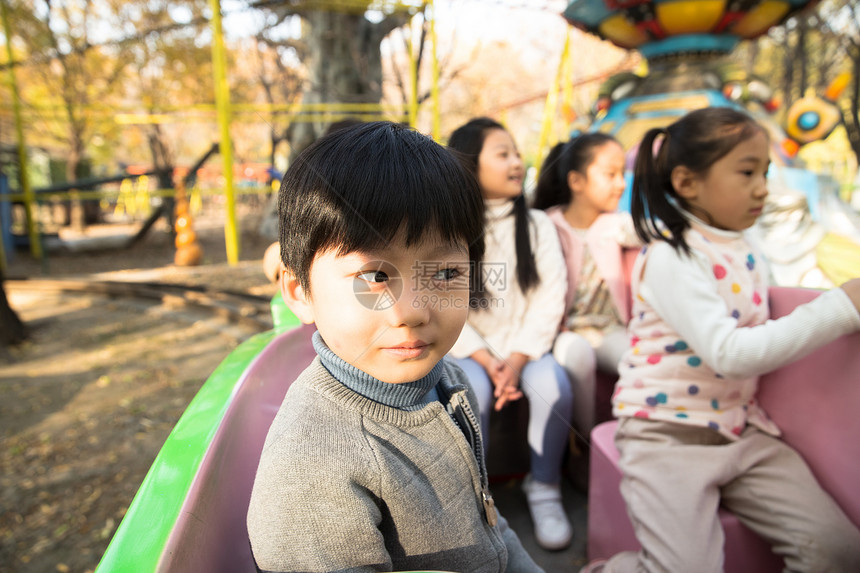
(579, 187)
(691, 434)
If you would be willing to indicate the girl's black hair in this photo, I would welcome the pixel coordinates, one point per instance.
(575, 155)
(468, 140)
(357, 187)
(696, 141)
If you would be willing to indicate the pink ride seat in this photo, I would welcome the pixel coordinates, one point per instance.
(813, 401)
(211, 533)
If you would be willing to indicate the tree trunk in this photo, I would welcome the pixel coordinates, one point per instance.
(12, 330)
(344, 65)
(800, 54)
(788, 68)
(162, 161)
(851, 106)
(851, 111)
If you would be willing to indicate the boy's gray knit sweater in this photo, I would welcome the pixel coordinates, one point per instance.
(348, 484)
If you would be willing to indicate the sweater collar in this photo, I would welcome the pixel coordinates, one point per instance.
(712, 233)
(498, 208)
(406, 395)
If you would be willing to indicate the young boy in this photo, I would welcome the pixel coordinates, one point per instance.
(374, 461)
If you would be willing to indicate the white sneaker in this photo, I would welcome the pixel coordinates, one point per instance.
(552, 528)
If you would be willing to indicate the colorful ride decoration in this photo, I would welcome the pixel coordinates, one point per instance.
(189, 253)
(686, 43)
(813, 118)
(668, 27)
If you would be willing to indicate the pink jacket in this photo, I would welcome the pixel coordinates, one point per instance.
(606, 239)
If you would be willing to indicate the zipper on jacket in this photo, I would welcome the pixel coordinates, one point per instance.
(489, 508)
(478, 449)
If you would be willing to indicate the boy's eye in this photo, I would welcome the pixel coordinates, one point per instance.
(446, 274)
(373, 276)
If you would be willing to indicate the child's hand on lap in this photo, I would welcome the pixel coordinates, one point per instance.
(506, 379)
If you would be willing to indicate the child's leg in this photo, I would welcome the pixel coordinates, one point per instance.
(550, 398)
(547, 388)
(615, 343)
(577, 357)
(483, 388)
(671, 477)
(777, 496)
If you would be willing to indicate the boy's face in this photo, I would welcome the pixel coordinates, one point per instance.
(392, 313)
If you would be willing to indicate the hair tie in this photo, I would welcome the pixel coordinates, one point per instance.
(658, 145)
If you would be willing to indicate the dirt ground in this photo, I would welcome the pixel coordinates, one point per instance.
(88, 401)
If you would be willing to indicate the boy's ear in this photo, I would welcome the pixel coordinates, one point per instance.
(685, 182)
(575, 181)
(296, 298)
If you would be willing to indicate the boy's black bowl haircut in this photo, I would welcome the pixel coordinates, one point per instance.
(355, 189)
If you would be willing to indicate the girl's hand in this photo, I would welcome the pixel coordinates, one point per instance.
(852, 289)
(501, 376)
(506, 379)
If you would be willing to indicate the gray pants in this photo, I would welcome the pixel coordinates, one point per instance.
(675, 477)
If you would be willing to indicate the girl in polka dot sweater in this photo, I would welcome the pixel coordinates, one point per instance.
(691, 434)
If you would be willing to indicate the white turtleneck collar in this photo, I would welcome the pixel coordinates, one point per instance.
(498, 208)
(722, 235)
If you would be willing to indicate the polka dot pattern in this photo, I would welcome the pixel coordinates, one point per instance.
(666, 379)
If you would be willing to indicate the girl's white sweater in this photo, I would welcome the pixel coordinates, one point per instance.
(513, 321)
